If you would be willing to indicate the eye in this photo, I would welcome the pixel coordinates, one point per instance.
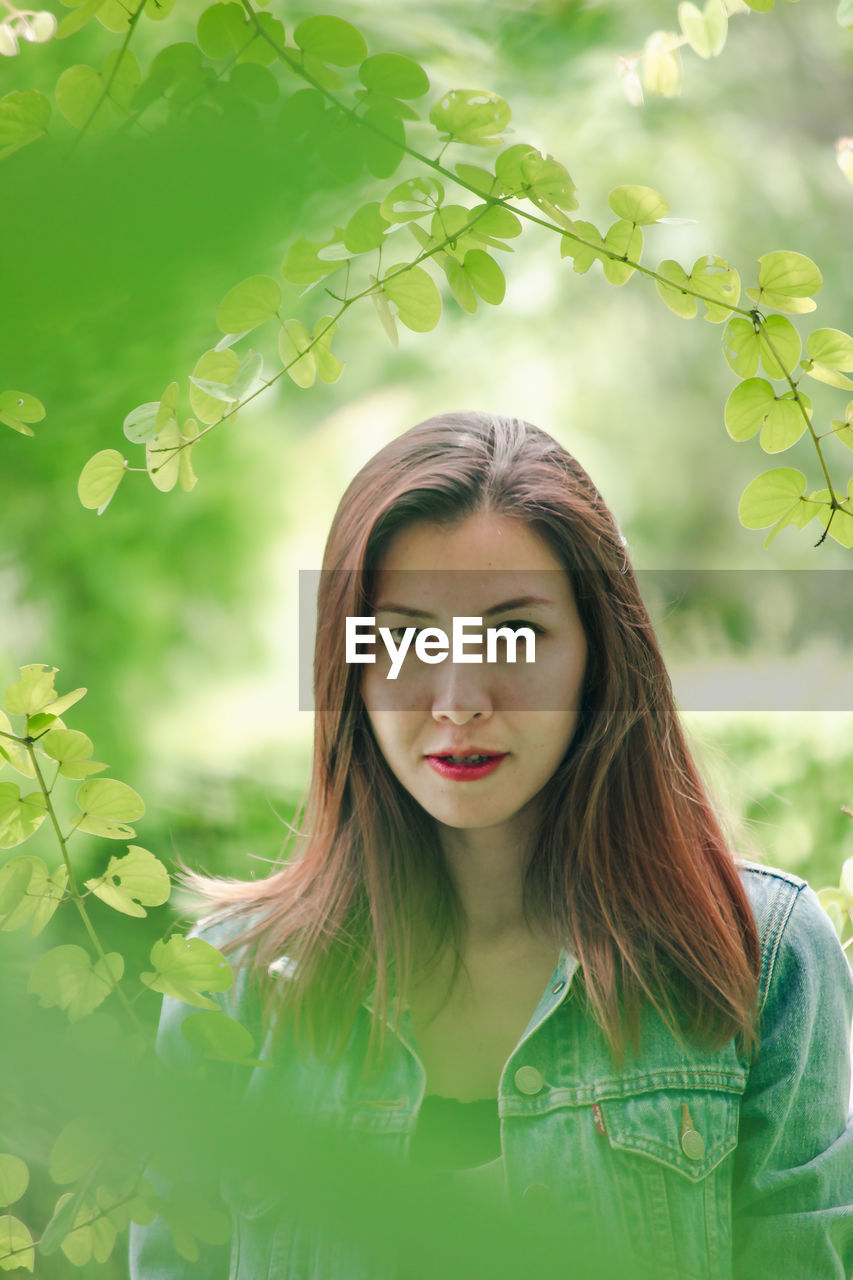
(397, 634)
(515, 624)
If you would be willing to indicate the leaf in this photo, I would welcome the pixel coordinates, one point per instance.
(839, 522)
(78, 91)
(770, 496)
(495, 222)
(779, 345)
(293, 343)
(411, 199)
(760, 6)
(67, 746)
(100, 478)
(524, 171)
(366, 229)
(14, 1178)
(301, 264)
(27, 817)
(332, 40)
(28, 894)
(662, 64)
(483, 182)
(683, 304)
(214, 1035)
(109, 798)
(416, 297)
(141, 423)
(24, 117)
(713, 276)
(705, 31)
(626, 240)
(383, 310)
(79, 1148)
(186, 968)
(14, 881)
(823, 373)
(485, 275)
(186, 475)
(247, 377)
(16, 1245)
(470, 115)
(74, 22)
(65, 977)
(641, 205)
(786, 281)
(48, 897)
(218, 367)
(584, 254)
(785, 423)
(248, 304)
(383, 141)
(132, 883)
(747, 407)
(16, 755)
(394, 74)
(162, 457)
(831, 347)
(222, 30)
(17, 410)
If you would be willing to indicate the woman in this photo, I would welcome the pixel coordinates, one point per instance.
(514, 945)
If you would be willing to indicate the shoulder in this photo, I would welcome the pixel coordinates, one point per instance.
(794, 931)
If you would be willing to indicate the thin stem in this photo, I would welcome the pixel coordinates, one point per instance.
(72, 879)
(135, 16)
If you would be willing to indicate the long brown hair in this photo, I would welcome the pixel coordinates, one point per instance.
(629, 865)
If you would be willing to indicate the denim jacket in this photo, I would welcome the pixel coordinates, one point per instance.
(712, 1165)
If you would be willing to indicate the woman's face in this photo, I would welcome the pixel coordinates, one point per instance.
(433, 717)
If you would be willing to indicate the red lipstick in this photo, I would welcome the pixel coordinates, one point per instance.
(466, 766)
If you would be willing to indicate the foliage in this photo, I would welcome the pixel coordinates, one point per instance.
(354, 108)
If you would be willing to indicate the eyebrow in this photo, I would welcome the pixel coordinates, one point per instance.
(518, 602)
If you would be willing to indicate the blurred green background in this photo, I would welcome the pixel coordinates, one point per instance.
(178, 611)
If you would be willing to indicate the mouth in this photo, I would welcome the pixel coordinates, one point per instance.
(467, 767)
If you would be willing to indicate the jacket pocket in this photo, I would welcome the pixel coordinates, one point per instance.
(672, 1179)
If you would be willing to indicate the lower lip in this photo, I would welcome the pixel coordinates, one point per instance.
(464, 772)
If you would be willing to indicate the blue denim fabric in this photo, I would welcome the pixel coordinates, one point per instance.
(710, 1165)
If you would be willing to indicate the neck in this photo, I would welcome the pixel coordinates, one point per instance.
(487, 868)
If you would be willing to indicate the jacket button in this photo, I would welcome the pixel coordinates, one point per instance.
(692, 1144)
(557, 987)
(528, 1080)
(537, 1196)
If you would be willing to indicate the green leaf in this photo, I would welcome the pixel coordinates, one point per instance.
(823, 373)
(483, 182)
(16, 755)
(141, 423)
(247, 377)
(17, 410)
(383, 310)
(394, 74)
(65, 977)
(485, 276)
(627, 241)
(109, 798)
(770, 496)
(14, 1178)
(78, 91)
(382, 142)
(299, 363)
(683, 304)
(24, 117)
(586, 254)
(524, 171)
(27, 817)
(74, 22)
(162, 457)
(132, 883)
(216, 1036)
(301, 264)
(16, 1245)
(411, 199)
(222, 30)
(248, 304)
(662, 64)
(415, 295)
(494, 223)
(186, 475)
(366, 229)
(779, 346)
(80, 1147)
(641, 205)
(127, 78)
(217, 367)
(472, 116)
(186, 968)
(460, 285)
(784, 423)
(844, 14)
(831, 347)
(100, 478)
(73, 750)
(747, 407)
(713, 276)
(28, 894)
(786, 281)
(331, 40)
(705, 31)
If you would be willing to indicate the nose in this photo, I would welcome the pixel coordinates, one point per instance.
(460, 695)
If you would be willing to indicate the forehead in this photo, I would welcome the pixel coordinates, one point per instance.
(469, 566)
